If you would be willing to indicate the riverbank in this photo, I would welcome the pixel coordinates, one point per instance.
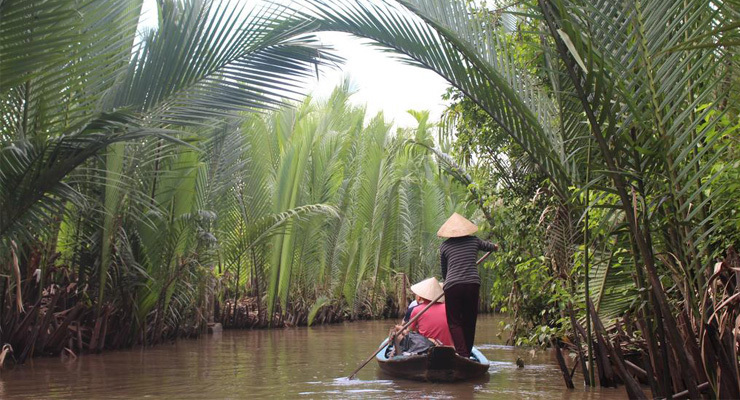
(249, 313)
(61, 323)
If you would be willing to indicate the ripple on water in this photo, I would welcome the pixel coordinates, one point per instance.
(344, 381)
(494, 347)
(344, 387)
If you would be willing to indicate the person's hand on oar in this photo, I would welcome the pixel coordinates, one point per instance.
(395, 336)
(396, 331)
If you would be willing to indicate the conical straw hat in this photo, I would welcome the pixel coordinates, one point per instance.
(457, 226)
(428, 289)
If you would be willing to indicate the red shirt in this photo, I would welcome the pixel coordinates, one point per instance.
(433, 323)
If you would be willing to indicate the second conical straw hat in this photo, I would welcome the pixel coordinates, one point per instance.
(429, 289)
(457, 226)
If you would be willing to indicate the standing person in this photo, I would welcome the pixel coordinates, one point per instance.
(458, 257)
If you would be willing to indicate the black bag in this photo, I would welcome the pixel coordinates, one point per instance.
(415, 343)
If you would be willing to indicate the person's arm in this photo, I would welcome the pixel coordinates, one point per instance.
(443, 263)
(486, 245)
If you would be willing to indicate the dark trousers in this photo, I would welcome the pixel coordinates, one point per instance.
(461, 303)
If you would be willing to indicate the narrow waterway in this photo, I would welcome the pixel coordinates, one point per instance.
(287, 363)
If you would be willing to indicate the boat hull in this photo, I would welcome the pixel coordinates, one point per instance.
(440, 364)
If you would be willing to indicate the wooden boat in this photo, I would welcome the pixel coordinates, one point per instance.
(440, 364)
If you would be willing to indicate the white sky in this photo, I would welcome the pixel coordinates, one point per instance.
(382, 83)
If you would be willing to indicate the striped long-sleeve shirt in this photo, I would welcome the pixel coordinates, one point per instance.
(458, 257)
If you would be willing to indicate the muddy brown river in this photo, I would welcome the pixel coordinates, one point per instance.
(299, 363)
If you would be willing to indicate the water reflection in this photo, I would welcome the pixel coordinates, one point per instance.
(292, 363)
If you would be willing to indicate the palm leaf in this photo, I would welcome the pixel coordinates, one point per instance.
(444, 37)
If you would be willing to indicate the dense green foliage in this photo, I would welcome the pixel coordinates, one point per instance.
(141, 191)
(110, 157)
(597, 138)
(506, 169)
(626, 109)
(388, 199)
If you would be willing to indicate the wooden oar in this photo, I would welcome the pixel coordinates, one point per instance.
(406, 325)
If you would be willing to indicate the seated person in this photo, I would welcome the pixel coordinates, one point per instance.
(433, 323)
(412, 305)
